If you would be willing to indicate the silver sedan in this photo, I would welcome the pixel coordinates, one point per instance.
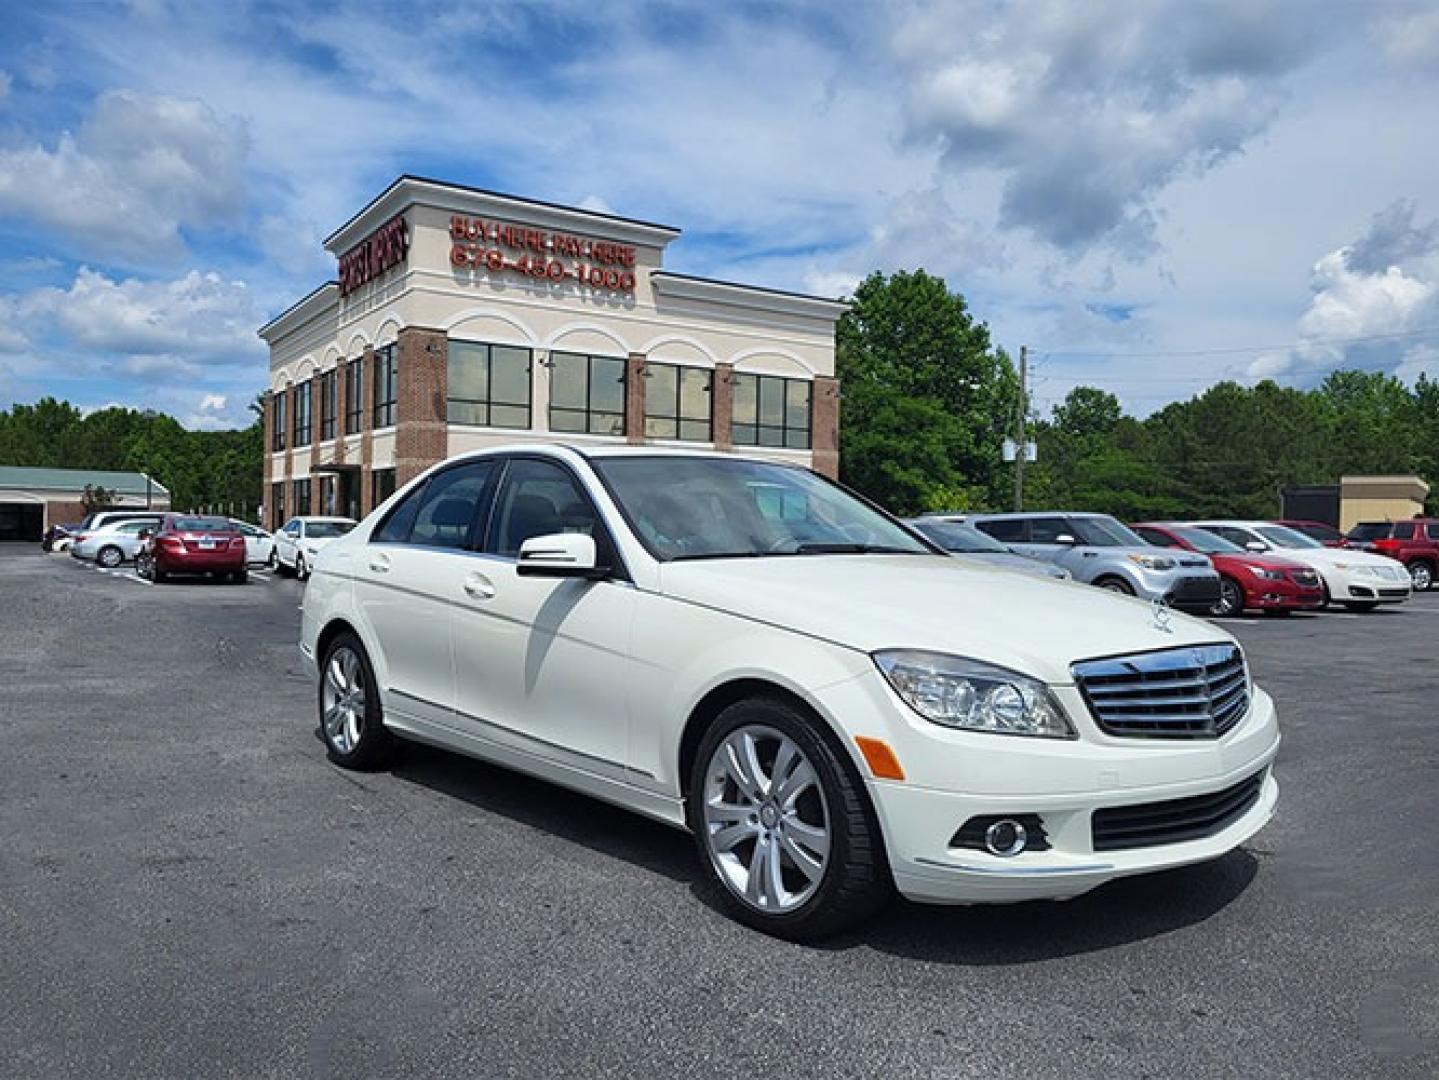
(114, 544)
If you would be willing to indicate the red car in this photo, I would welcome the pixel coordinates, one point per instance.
(1268, 583)
(1414, 542)
(190, 544)
(1326, 534)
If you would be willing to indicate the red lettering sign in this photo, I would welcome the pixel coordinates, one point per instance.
(539, 253)
(383, 249)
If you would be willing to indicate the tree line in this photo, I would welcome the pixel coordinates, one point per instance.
(927, 400)
(220, 469)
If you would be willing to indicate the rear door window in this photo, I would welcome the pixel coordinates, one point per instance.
(447, 512)
(1048, 530)
(1404, 530)
(1006, 530)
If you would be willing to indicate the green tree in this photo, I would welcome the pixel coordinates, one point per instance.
(926, 396)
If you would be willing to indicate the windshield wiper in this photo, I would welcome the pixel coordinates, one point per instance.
(854, 549)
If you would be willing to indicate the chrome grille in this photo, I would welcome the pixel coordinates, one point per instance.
(1198, 692)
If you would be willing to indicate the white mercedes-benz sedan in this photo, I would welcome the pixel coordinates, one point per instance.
(833, 707)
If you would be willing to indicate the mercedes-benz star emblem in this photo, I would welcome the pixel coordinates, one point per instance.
(1160, 610)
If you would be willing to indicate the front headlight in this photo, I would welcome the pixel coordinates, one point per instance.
(1152, 562)
(972, 695)
(1267, 575)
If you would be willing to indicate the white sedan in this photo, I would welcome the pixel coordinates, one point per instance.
(1360, 580)
(259, 544)
(299, 540)
(830, 704)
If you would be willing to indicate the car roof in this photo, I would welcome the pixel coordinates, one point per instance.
(320, 517)
(1017, 514)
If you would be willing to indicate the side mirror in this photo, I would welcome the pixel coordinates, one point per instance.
(560, 555)
(1065, 538)
(1256, 546)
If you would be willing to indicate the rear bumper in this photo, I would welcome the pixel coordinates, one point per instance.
(200, 562)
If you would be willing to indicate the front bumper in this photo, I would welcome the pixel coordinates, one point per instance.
(954, 776)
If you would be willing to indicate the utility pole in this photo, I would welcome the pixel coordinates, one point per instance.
(1021, 448)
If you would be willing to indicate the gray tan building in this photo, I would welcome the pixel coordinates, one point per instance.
(462, 318)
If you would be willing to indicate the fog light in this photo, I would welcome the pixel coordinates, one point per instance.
(1005, 837)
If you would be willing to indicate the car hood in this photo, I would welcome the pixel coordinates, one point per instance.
(1007, 561)
(1335, 557)
(871, 602)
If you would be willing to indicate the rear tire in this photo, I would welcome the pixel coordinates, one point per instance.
(302, 569)
(819, 803)
(241, 577)
(158, 574)
(351, 717)
(1421, 576)
(109, 557)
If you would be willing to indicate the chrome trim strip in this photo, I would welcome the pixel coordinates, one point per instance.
(1016, 871)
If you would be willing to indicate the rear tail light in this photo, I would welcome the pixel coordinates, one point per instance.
(174, 543)
(237, 541)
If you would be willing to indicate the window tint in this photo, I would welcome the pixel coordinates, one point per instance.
(1370, 530)
(1432, 530)
(395, 529)
(1048, 530)
(489, 385)
(677, 402)
(770, 410)
(1006, 531)
(1233, 535)
(1157, 538)
(587, 394)
(538, 498)
(449, 505)
(1404, 530)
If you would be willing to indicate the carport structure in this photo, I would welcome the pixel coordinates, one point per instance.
(33, 499)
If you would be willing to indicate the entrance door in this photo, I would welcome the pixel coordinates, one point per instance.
(21, 522)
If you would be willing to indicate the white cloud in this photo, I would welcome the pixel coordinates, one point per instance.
(1088, 111)
(1410, 39)
(212, 403)
(141, 168)
(201, 317)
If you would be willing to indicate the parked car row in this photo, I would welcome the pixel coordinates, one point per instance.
(162, 544)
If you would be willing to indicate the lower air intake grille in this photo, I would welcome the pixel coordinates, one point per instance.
(1149, 824)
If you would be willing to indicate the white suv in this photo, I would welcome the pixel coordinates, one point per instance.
(832, 706)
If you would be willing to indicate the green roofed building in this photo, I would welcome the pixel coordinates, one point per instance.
(33, 499)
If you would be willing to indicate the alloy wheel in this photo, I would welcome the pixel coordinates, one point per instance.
(344, 700)
(1231, 598)
(1421, 576)
(766, 822)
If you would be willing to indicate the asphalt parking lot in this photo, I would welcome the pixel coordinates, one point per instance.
(188, 888)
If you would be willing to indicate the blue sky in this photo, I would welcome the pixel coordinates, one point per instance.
(1152, 196)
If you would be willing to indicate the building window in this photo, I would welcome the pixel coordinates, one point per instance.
(677, 402)
(385, 386)
(489, 385)
(327, 496)
(771, 411)
(304, 401)
(302, 497)
(382, 483)
(327, 405)
(277, 419)
(587, 394)
(354, 396)
(277, 504)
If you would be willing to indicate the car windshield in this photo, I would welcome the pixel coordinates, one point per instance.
(958, 537)
(327, 530)
(1206, 542)
(1283, 537)
(1105, 532)
(1370, 530)
(202, 524)
(708, 508)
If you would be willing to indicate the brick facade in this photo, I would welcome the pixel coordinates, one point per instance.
(824, 425)
(367, 427)
(342, 403)
(635, 398)
(422, 380)
(722, 406)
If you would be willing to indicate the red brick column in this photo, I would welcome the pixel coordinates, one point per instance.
(289, 470)
(722, 406)
(635, 398)
(367, 416)
(824, 425)
(422, 385)
(267, 414)
(342, 398)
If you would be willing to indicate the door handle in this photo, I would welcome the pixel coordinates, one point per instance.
(479, 587)
(380, 563)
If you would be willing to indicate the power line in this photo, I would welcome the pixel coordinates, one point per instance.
(1238, 350)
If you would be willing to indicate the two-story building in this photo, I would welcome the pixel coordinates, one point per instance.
(463, 318)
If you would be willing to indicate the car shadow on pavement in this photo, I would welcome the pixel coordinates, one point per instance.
(556, 810)
(1120, 913)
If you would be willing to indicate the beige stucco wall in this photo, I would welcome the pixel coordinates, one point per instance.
(1380, 498)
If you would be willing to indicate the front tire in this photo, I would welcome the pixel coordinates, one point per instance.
(1231, 598)
(302, 569)
(1116, 585)
(783, 825)
(351, 718)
